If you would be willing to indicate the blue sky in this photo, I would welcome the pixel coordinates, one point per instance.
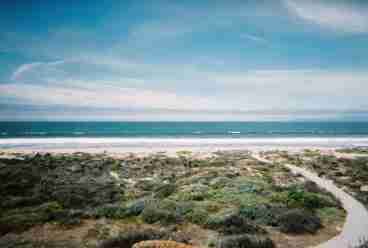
(183, 60)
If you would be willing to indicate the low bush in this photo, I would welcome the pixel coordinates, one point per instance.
(232, 223)
(197, 215)
(136, 207)
(300, 198)
(263, 214)
(165, 190)
(21, 219)
(245, 241)
(312, 187)
(128, 239)
(160, 213)
(111, 211)
(299, 221)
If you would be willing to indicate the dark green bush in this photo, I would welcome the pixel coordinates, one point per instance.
(245, 241)
(298, 198)
(197, 215)
(299, 221)
(15, 241)
(312, 187)
(22, 219)
(136, 207)
(262, 214)
(165, 190)
(128, 239)
(232, 223)
(158, 213)
(114, 211)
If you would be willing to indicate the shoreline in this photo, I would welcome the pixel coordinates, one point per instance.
(169, 145)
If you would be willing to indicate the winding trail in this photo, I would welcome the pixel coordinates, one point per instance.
(356, 225)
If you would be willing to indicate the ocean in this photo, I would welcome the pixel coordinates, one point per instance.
(167, 134)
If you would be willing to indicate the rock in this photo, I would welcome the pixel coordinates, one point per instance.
(364, 188)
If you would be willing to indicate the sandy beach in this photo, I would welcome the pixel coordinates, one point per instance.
(172, 145)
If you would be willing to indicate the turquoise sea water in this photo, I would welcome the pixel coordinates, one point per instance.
(163, 135)
(182, 129)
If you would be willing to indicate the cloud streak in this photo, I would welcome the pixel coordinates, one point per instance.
(344, 17)
(23, 69)
(28, 67)
(254, 38)
(99, 95)
(157, 86)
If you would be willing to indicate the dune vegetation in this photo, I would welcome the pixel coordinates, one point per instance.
(223, 199)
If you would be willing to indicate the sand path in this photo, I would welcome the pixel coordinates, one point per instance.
(356, 225)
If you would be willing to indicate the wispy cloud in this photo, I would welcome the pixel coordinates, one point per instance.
(338, 16)
(28, 67)
(254, 38)
(99, 95)
(134, 84)
(23, 69)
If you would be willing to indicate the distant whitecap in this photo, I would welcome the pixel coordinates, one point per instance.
(234, 132)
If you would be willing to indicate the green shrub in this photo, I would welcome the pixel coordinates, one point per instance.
(300, 198)
(15, 241)
(128, 239)
(262, 214)
(249, 188)
(165, 190)
(197, 192)
(232, 223)
(299, 221)
(111, 211)
(197, 215)
(136, 207)
(22, 219)
(158, 213)
(245, 241)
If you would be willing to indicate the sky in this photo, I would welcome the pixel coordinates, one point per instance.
(184, 60)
